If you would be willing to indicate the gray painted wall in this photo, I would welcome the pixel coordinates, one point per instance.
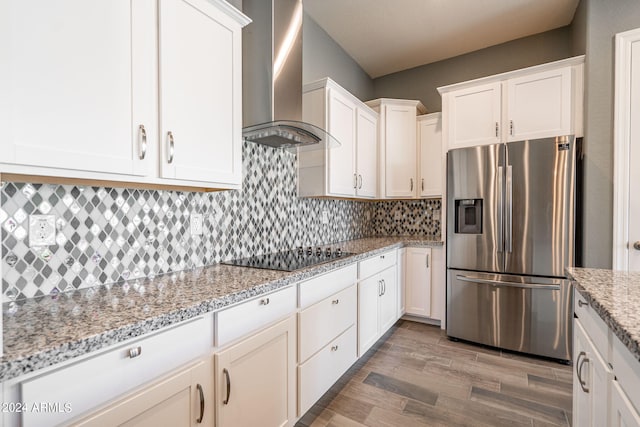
(323, 57)
(601, 20)
(422, 82)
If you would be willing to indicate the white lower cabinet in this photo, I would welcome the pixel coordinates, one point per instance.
(418, 281)
(606, 377)
(591, 381)
(256, 379)
(182, 399)
(377, 299)
(105, 377)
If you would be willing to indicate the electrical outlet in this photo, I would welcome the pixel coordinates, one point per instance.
(42, 230)
(196, 224)
(436, 214)
(325, 217)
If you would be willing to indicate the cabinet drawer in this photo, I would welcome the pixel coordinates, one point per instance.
(252, 315)
(322, 322)
(320, 372)
(320, 287)
(98, 379)
(596, 328)
(376, 264)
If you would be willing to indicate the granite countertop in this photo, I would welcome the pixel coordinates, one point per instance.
(43, 331)
(615, 296)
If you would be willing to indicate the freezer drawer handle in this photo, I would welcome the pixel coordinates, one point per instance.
(508, 284)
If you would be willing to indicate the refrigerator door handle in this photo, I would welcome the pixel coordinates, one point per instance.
(500, 283)
(509, 210)
(500, 209)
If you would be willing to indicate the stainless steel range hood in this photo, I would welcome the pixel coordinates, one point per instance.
(272, 77)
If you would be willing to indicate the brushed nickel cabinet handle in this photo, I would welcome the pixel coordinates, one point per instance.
(355, 180)
(135, 352)
(334, 348)
(583, 383)
(142, 142)
(379, 288)
(582, 303)
(497, 129)
(511, 127)
(201, 393)
(360, 185)
(228, 380)
(411, 184)
(427, 260)
(335, 301)
(422, 184)
(265, 301)
(170, 148)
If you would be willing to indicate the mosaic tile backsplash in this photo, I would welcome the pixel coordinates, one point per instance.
(106, 235)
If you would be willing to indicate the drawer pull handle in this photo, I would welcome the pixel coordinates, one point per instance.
(336, 301)
(201, 393)
(579, 365)
(135, 352)
(265, 301)
(381, 256)
(582, 303)
(228, 380)
(334, 348)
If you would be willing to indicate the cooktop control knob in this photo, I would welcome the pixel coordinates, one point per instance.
(318, 251)
(328, 252)
(309, 250)
(339, 252)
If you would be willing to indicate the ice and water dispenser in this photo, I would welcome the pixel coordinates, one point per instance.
(468, 216)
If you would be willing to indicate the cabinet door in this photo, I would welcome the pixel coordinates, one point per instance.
(581, 398)
(181, 400)
(71, 98)
(400, 150)
(388, 304)
(369, 292)
(342, 126)
(430, 157)
(592, 381)
(256, 379)
(418, 281)
(623, 414)
(200, 84)
(473, 116)
(367, 153)
(539, 105)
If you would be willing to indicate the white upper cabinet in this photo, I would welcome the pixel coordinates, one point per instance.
(397, 147)
(473, 115)
(71, 97)
(430, 159)
(348, 170)
(87, 85)
(367, 153)
(539, 105)
(535, 102)
(200, 113)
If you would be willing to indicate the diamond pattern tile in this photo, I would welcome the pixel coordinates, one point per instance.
(105, 235)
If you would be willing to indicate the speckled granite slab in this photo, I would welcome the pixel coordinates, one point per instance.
(45, 331)
(615, 296)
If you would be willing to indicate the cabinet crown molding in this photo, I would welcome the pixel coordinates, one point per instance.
(421, 109)
(576, 60)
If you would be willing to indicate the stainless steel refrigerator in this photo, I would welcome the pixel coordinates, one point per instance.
(510, 236)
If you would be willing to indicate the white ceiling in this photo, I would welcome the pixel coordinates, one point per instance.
(386, 36)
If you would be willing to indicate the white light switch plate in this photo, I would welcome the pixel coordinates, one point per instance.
(325, 217)
(42, 230)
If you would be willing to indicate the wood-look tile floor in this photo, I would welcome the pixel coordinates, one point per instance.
(416, 376)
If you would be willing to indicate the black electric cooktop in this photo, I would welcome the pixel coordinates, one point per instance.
(290, 260)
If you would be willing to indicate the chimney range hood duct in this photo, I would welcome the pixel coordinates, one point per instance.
(272, 78)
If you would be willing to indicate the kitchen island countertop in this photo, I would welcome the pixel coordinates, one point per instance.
(615, 296)
(44, 331)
